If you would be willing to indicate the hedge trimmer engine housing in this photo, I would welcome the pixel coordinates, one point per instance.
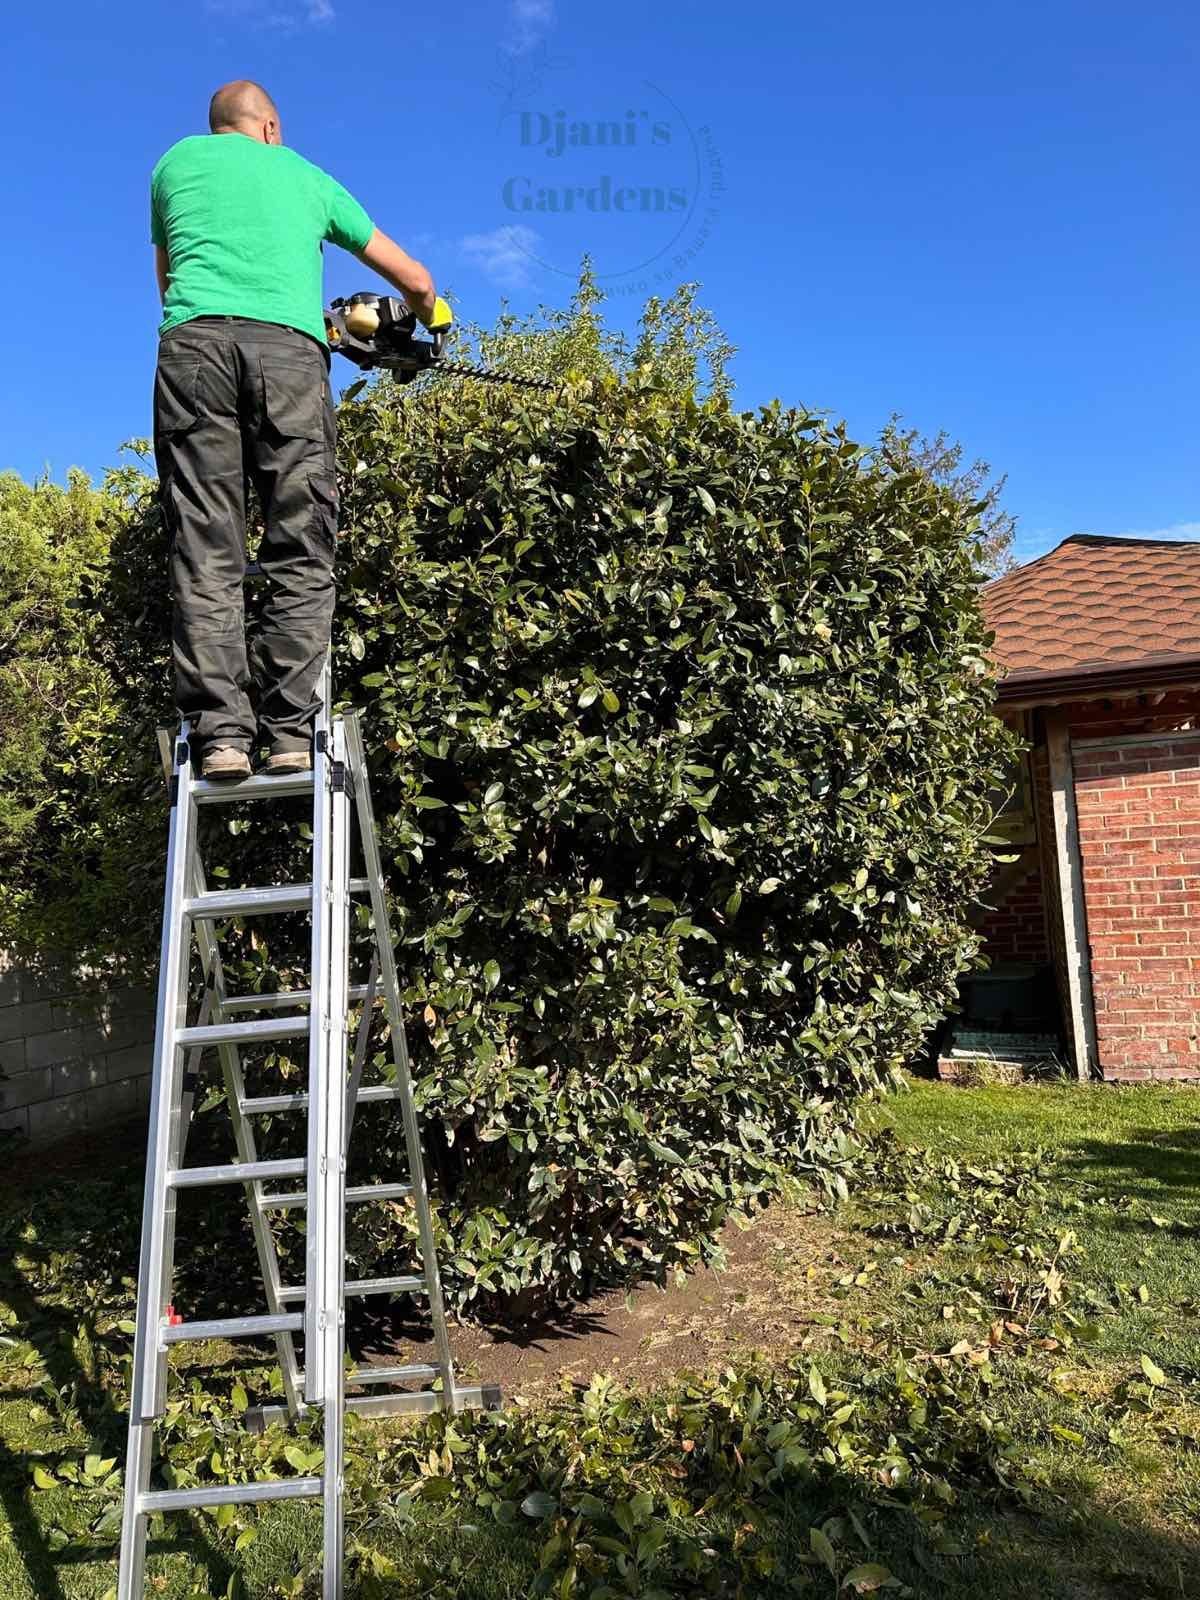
(375, 330)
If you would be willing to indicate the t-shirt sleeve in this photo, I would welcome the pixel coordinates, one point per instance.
(158, 234)
(347, 224)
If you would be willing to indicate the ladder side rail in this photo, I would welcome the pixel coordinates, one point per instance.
(333, 1118)
(162, 1142)
(166, 1119)
(246, 1146)
(360, 1048)
(191, 1077)
(385, 945)
(319, 1020)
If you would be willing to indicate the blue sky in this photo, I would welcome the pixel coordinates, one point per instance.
(981, 215)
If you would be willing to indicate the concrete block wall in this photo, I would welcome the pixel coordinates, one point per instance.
(73, 1054)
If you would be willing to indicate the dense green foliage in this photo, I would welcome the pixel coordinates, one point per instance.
(679, 721)
(980, 1399)
(51, 542)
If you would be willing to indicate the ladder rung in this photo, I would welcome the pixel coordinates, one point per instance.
(272, 1102)
(258, 1032)
(249, 902)
(420, 1402)
(237, 1172)
(207, 792)
(367, 1375)
(358, 1287)
(412, 1284)
(298, 1102)
(289, 997)
(232, 1327)
(228, 1494)
(359, 886)
(370, 1191)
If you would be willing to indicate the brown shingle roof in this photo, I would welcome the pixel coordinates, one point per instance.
(1095, 604)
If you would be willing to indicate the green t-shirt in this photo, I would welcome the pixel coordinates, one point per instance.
(243, 224)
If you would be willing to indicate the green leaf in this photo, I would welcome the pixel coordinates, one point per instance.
(706, 500)
(43, 1479)
(437, 1488)
(734, 903)
(823, 1550)
(358, 648)
(491, 975)
(456, 516)
(239, 1399)
(1154, 1372)
(867, 1578)
(769, 885)
(539, 1504)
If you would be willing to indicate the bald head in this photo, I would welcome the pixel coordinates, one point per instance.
(245, 107)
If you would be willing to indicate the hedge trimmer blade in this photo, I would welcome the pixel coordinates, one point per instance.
(380, 331)
(464, 369)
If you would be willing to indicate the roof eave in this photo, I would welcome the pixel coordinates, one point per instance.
(1027, 689)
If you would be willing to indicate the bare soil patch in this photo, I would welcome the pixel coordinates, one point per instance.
(770, 1297)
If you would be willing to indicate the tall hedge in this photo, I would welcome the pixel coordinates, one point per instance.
(679, 723)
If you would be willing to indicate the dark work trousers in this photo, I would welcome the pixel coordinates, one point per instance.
(239, 402)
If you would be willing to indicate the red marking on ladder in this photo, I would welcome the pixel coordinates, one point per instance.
(173, 1317)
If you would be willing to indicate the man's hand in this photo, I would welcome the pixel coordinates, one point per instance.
(404, 273)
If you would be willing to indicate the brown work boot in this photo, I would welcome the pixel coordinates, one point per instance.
(224, 761)
(287, 761)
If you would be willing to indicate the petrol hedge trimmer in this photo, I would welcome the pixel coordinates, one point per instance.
(375, 330)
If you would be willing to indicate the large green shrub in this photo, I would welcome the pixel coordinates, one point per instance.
(679, 721)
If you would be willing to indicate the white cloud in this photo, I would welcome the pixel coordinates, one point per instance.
(1177, 530)
(1028, 546)
(528, 21)
(504, 255)
(284, 14)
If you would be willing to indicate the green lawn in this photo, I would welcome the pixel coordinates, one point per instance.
(998, 1398)
(1131, 1156)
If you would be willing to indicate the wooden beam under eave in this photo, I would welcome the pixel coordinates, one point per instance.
(1070, 887)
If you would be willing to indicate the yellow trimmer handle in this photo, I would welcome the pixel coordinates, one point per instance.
(441, 318)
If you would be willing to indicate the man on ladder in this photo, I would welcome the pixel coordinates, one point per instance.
(242, 391)
(242, 395)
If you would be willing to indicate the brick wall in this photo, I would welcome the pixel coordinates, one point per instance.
(1014, 924)
(1139, 827)
(71, 1056)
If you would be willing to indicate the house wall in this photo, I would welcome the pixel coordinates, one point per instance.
(1138, 801)
(1141, 881)
(1014, 924)
(72, 1055)
(1043, 804)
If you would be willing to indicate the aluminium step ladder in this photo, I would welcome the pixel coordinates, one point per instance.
(192, 917)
